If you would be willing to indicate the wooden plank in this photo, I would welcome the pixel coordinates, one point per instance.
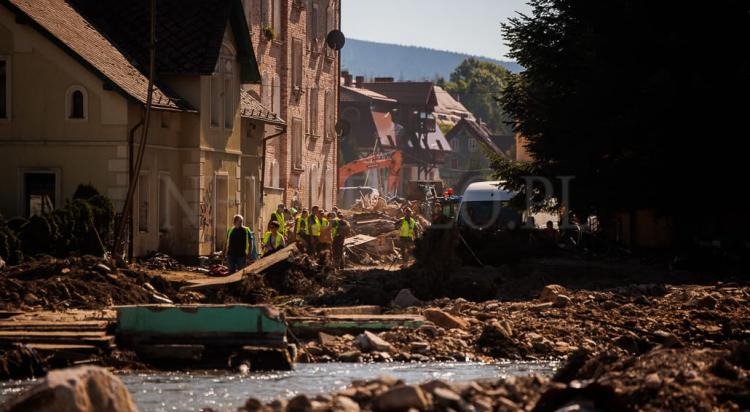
(54, 326)
(349, 310)
(62, 334)
(308, 326)
(358, 240)
(54, 347)
(256, 267)
(101, 341)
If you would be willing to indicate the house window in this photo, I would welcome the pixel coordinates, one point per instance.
(276, 91)
(223, 95)
(328, 115)
(277, 17)
(454, 145)
(473, 145)
(215, 100)
(164, 201)
(40, 192)
(228, 103)
(313, 119)
(143, 199)
(263, 12)
(297, 143)
(312, 23)
(76, 104)
(297, 63)
(4, 87)
(330, 17)
(275, 175)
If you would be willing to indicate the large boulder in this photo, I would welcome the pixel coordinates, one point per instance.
(550, 293)
(405, 299)
(401, 398)
(80, 389)
(370, 342)
(444, 320)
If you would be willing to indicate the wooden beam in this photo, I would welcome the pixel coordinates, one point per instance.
(256, 267)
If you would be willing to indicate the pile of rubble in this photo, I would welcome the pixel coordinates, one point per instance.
(161, 261)
(374, 233)
(662, 379)
(81, 282)
(630, 320)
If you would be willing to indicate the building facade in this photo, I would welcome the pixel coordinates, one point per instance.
(74, 87)
(467, 162)
(300, 83)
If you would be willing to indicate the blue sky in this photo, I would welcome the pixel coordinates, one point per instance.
(468, 26)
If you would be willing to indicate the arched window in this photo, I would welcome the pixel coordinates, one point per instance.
(76, 103)
(224, 89)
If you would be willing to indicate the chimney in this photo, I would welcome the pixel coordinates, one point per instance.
(360, 81)
(384, 80)
(347, 79)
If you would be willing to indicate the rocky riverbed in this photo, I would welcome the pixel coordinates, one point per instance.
(659, 379)
(628, 320)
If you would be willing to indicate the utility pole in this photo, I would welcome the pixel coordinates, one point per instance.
(126, 208)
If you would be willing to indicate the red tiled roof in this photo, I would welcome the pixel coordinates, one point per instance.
(58, 20)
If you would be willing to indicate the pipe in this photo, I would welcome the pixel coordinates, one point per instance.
(131, 141)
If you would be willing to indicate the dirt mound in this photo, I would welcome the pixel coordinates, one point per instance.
(85, 282)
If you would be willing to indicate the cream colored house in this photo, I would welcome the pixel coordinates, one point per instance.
(72, 98)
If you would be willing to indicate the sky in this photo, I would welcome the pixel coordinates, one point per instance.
(465, 26)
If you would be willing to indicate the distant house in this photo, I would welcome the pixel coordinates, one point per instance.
(468, 161)
(424, 150)
(449, 110)
(369, 121)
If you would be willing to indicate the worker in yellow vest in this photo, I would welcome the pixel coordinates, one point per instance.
(313, 223)
(302, 230)
(278, 216)
(340, 233)
(239, 247)
(273, 241)
(406, 234)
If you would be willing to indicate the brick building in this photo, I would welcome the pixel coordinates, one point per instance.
(299, 83)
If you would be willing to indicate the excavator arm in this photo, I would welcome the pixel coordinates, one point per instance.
(391, 161)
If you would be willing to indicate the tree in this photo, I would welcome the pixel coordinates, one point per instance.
(643, 102)
(477, 85)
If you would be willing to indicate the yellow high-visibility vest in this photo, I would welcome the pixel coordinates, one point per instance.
(407, 228)
(301, 226)
(278, 241)
(282, 222)
(315, 227)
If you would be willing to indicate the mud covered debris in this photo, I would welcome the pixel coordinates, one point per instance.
(629, 320)
(82, 282)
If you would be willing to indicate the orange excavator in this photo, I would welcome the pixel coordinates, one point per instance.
(391, 161)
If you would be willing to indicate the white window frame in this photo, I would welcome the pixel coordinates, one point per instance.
(8, 89)
(69, 103)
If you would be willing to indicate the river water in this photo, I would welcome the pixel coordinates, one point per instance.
(191, 391)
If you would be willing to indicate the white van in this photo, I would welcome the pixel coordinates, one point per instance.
(484, 206)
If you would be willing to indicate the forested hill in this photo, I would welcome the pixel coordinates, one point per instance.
(404, 62)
